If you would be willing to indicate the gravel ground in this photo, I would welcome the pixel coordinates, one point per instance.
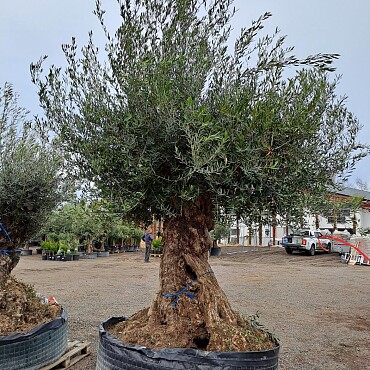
(318, 307)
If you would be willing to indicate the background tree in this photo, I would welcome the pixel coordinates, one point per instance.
(176, 121)
(31, 178)
(31, 185)
(218, 232)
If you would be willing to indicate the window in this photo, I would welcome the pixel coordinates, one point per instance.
(342, 218)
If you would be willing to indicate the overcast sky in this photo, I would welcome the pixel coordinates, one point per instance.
(31, 29)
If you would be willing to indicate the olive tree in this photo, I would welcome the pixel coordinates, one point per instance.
(31, 177)
(174, 122)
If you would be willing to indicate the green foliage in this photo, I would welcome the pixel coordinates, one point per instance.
(219, 231)
(157, 243)
(45, 245)
(63, 247)
(50, 246)
(31, 179)
(87, 222)
(135, 235)
(68, 239)
(174, 114)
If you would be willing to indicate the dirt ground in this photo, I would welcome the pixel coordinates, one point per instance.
(318, 307)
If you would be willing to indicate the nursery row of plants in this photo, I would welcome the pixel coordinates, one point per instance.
(58, 251)
(81, 227)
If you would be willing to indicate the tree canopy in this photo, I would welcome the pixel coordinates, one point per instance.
(31, 178)
(175, 112)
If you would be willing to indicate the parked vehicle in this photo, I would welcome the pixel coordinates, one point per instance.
(308, 241)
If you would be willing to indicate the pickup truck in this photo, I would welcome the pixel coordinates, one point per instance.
(306, 240)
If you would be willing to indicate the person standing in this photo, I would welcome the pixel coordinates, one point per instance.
(148, 239)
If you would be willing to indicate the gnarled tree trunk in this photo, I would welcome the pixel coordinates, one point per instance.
(190, 310)
(9, 258)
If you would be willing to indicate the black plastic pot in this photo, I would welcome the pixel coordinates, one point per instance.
(215, 251)
(59, 257)
(34, 243)
(67, 257)
(35, 349)
(113, 354)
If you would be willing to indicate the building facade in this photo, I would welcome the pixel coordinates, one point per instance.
(351, 220)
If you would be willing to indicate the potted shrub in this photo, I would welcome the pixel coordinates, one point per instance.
(62, 250)
(157, 246)
(220, 231)
(135, 235)
(50, 248)
(45, 250)
(75, 254)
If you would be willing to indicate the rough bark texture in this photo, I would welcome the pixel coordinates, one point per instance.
(9, 258)
(190, 310)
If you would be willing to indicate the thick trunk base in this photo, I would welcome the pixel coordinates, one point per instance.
(190, 309)
(220, 337)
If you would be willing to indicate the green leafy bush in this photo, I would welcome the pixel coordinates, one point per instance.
(157, 243)
(50, 246)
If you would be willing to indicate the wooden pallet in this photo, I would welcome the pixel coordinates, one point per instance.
(75, 352)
